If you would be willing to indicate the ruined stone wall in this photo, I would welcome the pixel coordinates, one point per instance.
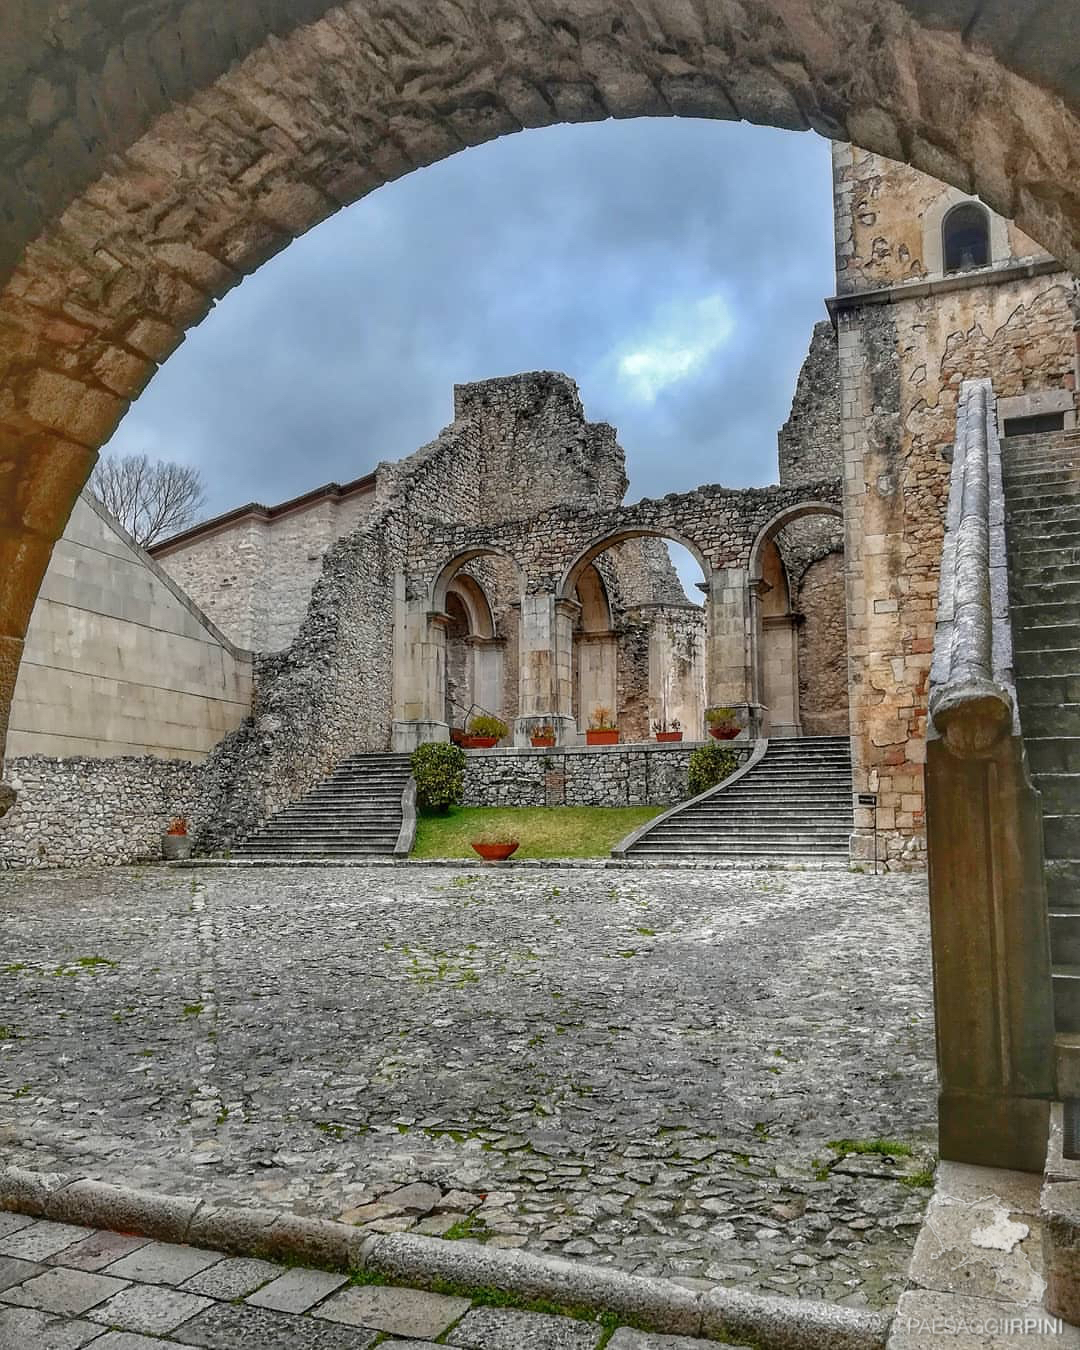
(823, 665)
(327, 696)
(102, 812)
(254, 576)
(808, 444)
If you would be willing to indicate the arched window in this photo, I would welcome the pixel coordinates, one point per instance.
(965, 237)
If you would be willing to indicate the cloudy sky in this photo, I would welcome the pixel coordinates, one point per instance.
(674, 268)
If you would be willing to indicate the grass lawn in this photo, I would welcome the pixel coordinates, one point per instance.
(544, 831)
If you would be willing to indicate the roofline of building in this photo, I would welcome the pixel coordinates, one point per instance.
(257, 511)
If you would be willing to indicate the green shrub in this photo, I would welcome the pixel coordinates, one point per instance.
(439, 770)
(486, 725)
(709, 765)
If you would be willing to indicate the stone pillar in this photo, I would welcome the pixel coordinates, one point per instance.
(677, 669)
(598, 671)
(486, 655)
(546, 666)
(419, 673)
(779, 655)
(729, 681)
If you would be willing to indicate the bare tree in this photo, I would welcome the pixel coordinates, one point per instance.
(150, 498)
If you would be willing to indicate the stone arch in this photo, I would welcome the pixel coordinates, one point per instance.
(779, 522)
(158, 163)
(649, 669)
(593, 550)
(474, 603)
(452, 573)
(775, 655)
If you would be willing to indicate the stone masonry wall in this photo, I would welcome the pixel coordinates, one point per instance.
(327, 696)
(823, 665)
(254, 576)
(901, 368)
(808, 444)
(105, 812)
(625, 775)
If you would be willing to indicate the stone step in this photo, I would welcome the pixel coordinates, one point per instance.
(1029, 618)
(1060, 792)
(1064, 720)
(765, 849)
(1052, 661)
(1065, 486)
(1063, 882)
(1042, 690)
(1056, 514)
(1061, 835)
(1044, 592)
(1046, 637)
(1039, 573)
(1052, 754)
(748, 838)
(1066, 983)
(1065, 936)
(1061, 556)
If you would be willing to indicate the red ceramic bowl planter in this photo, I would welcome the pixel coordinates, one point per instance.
(602, 738)
(724, 733)
(542, 742)
(669, 735)
(482, 742)
(495, 852)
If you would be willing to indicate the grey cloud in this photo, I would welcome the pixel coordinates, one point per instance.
(542, 250)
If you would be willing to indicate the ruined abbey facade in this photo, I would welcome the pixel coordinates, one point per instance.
(498, 568)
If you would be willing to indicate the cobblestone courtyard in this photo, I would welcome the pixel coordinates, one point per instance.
(638, 1068)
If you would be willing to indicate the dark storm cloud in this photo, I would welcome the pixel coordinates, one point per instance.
(674, 268)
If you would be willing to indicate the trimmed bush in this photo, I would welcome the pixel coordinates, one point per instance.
(486, 725)
(439, 770)
(709, 765)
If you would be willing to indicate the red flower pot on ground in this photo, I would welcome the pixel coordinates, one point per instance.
(722, 723)
(494, 850)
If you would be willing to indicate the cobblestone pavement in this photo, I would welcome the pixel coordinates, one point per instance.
(641, 1069)
(63, 1287)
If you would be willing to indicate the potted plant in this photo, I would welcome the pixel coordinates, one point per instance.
(486, 731)
(176, 842)
(664, 730)
(494, 845)
(543, 735)
(602, 730)
(722, 723)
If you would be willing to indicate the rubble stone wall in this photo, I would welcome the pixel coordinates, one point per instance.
(626, 775)
(104, 812)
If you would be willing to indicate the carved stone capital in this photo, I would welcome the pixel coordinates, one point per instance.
(972, 718)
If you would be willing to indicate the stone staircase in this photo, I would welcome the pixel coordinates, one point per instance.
(1042, 498)
(794, 804)
(356, 812)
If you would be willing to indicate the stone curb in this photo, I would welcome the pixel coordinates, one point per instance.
(575, 864)
(771, 1323)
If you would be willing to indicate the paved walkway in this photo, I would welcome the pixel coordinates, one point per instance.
(639, 1069)
(63, 1287)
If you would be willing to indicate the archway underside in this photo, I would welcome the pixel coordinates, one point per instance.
(151, 169)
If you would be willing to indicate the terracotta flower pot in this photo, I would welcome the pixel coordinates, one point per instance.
(542, 741)
(602, 737)
(483, 742)
(669, 735)
(495, 852)
(724, 733)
